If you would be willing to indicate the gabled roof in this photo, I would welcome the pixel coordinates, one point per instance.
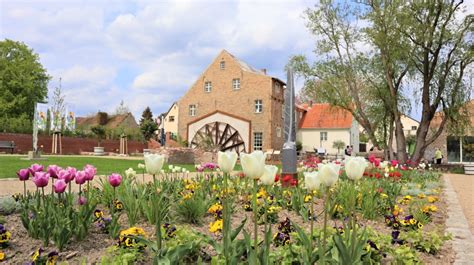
(113, 121)
(325, 116)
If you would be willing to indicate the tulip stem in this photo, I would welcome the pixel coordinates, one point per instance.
(266, 227)
(323, 249)
(255, 225)
(312, 223)
(42, 191)
(226, 221)
(24, 189)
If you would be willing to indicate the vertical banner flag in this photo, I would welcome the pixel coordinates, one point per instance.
(70, 121)
(41, 116)
(56, 120)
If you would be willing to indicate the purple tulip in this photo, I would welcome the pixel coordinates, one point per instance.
(115, 180)
(53, 171)
(23, 174)
(72, 171)
(82, 200)
(59, 186)
(80, 177)
(41, 179)
(35, 168)
(90, 172)
(65, 175)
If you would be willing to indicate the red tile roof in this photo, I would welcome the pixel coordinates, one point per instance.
(325, 116)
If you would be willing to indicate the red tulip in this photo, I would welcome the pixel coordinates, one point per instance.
(394, 163)
(41, 179)
(115, 180)
(277, 177)
(23, 174)
(59, 186)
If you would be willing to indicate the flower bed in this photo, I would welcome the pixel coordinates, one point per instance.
(332, 214)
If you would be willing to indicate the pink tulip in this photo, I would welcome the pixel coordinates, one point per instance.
(82, 200)
(65, 175)
(394, 163)
(41, 179)
(53, 171)
(115, 180)
(80, 177)
(59, 186)
(90, 172)
(23, 174)
(72, 171)
(35, 168)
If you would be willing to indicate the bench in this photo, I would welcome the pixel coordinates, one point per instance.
(7, 145)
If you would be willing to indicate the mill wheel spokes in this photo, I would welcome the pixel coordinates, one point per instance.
(218, 136)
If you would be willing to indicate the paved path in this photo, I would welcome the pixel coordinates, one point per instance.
(460, 222)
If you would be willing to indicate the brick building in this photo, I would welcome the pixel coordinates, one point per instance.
(456, 148)
(233, 106)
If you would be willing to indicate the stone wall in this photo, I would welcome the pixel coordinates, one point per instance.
(70, 145)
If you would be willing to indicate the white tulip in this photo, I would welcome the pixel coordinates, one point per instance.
(269, 173)
(253, 164)
(329, 173)
(141, 166)
(384, 164)
(154, 163)
(170, 167)
(130, 173)
(312, 181)
(162, 171)
(178, 169)
(355, 168)
(226, 161)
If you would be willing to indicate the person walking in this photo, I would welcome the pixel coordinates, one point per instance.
(438, 156)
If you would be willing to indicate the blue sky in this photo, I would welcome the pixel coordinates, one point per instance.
(148, 53)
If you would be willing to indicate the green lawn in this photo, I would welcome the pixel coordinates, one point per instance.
(9, 165)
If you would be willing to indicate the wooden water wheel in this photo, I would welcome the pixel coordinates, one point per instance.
(218, 136)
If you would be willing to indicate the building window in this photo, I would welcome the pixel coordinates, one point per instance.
(236, 84)
(222, 65)
(257, 141)
(192, 110)
(208, 86)
(323, 136)
(278, 131)
(282, 111)
(258, 106)
(414, 128)
(171, 119)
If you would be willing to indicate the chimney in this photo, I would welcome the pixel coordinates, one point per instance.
(264, 71)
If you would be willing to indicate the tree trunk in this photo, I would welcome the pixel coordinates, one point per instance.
(390, 140)
(400, 138)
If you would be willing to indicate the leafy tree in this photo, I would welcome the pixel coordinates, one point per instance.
(147, 125)
(23, 82)
(338, 144)
(148, 128)
(99, 131)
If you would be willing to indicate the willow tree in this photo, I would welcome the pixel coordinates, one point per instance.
(432, 41)
(342, 75)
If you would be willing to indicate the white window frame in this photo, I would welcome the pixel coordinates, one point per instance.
(236, 83)
(258, 106)
(323, 136)
(278, 131)
(222, 65)
(257, 141)
(192, 110)
(208, 86)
